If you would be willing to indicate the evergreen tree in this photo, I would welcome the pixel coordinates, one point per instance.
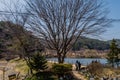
(113, 55)
(38, 62)
(117, 57)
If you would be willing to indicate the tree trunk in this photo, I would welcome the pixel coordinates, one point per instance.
(113, 65)
(20, 56)
(117, 64)
(61, 57)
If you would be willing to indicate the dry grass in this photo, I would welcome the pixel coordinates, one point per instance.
(111, 72)
(20, 66)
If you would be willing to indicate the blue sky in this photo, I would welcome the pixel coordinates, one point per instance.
(114, 31)
(114, 8)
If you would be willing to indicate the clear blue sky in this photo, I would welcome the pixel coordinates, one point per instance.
(114, 31)
(114, 8)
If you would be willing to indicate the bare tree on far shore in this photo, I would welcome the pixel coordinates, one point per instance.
(59, 23)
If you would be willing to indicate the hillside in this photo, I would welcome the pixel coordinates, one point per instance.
(5, 37)
(82, 43)
(88, 43)
(12, 37)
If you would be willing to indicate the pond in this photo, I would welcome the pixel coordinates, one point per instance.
(83, 61)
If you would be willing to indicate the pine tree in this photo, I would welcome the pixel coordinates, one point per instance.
(113, 57)
(38, 62)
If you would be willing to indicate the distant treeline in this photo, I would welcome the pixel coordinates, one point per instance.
(88, 43)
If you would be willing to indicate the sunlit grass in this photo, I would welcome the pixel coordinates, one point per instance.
(20, 66)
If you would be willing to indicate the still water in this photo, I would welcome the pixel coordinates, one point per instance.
(83, 61)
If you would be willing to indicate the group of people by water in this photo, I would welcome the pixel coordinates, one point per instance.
(78, 65)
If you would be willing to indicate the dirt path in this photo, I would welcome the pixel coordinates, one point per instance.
(77, 74)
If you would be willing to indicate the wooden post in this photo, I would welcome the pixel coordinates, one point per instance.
(3, 73)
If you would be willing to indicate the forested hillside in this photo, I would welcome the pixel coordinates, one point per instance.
(5, 37)
(88, 43)
(11, 38)
(82, 43)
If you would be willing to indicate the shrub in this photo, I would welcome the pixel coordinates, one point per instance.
(46, 75)
(38, 62)
(32, 78)
(95, 68)
(62, 69)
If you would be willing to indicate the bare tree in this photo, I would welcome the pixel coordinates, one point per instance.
(59, 23)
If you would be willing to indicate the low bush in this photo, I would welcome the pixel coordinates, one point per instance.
(38, 62)
(62, 69)
(46, 75)
(95, 68)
